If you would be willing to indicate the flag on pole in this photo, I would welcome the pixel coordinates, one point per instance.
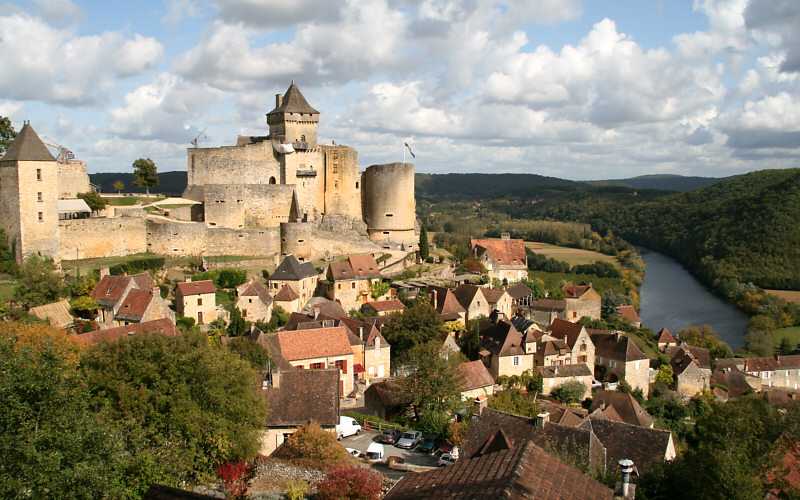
(409, 150)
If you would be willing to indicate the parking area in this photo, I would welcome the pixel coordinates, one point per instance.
(366, 437)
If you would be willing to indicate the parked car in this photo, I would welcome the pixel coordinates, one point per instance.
(347, 427)
(374, 452)
(409, 440)
(445, 459)
(354, 452)
(428, 444)
(389, 436)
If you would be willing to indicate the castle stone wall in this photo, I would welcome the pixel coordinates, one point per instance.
(248, 242)
(253, 163)
(342, 181)
(268, 205)
(72, 179)
(38, 234)
(9, 204)
(175, 238)
(102, 237)
(224, 205)
(296, 238)
(389, 207)
(310, 189)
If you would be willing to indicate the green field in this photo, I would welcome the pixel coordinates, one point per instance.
(572, 256)
(127, 201)
(6, 291)
(792, 333)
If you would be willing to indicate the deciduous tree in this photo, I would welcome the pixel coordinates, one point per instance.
(415, 325)
(145, 174)
(7, 134)
(39, 284)
(119, 185)
(94, 200)
(433, 380)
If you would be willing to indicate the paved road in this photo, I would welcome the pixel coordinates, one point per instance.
(366, 437)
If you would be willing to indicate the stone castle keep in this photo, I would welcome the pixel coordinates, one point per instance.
(281, 193)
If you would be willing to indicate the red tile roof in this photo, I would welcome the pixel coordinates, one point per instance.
(255, 289)
(504, 252)
(110, 288)
(164, 326)
(446, 303)
(387, 305)
(664, 337)
(565, 330)
(617, 347)
(197, 287)
(364, 265)
(134, 305)
(629, 313)
(493, 296)
(475, 375)
(318, 343)
(628, 409)
(303, 395)
(575, 291)
(286, 294)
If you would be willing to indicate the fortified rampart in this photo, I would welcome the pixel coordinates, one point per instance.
(72, 179)
(253, 163)
(194, 238)
(102, 237)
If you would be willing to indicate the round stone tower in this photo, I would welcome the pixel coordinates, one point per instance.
(389, 207)
(296, 238)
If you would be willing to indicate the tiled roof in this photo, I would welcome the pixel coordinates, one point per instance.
(55, 313)
(475, 375)
(562, 414)
(134, 305)
(110, 289)
(290, 269)
(640, 444)
(664, 337)
(771, 364)
(286, 294)
(565, 330)
(521, 323)
(254, 289)
(493, 296)
(735, 380)
(548, 305)
(304, 395)
(519, 291)
(197, 287)
(509, 253)
(625, 405)
(27, 146)
(525, 471)
(446, 302)
(575, 291)
(680, 357)
(319, 343)
(390, 393)
(629, 313)
(164, 325)
(466, 294)
(331, 308)
(501, 339)
(576, 370)
(555, 347)
(293, 102)
(617, 347)
(387, 305)
(364, 266)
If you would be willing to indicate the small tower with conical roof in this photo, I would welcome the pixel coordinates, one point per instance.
(293, 121)
(29, 196)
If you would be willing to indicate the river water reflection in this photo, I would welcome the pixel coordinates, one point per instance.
(671, 297)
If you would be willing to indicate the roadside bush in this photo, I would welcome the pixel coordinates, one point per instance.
(236, 477)
(434, 422)
(314, 447)
(353, 483)
(139, 265)
(571, 392)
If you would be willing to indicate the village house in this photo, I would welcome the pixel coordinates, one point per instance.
(504, 258)
(198, 300)
(143, 305)
(545, 311)
(620, 359)
(287, 299)
(552, 352)
(111, 290)
(164, 326)
(629, 313)
(782, 372)
(386, 399)
(472, 299)
(554, 377)
(521, 295)
(254, 301)
(316, 349)
(503, 350)
(350, 281)
(500, 301)
(581, 300)
(691, 367)
(55, 314)
(382, 307)
(736, 382)
(447, 305)
(477, 381)
(577, 338)
(624, 405)
(302, 278)
(297, 397)
(664, 339)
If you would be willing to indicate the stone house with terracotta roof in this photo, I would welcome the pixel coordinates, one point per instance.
(447, 305)
(581, 300)
(552, 352)
(477, 381)
(111, 290)
(664, 339)
(255, 302)
(504, 258)
(295, 398)
(691, 367)
(317, 349)
(499, 300)
(782, 372)
(287, 299)
(737, 383)
(143, 305)
(350, 281)
(473, 300)
(625, 407)
(382, 307)
(545, 311)
(301, 277)
(629, 313)
(621, 359)
(554, 377)
(198, 300)
(577, 338)
(505, 351)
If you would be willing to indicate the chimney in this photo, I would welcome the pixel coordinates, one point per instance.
(156, 292)
(361, 333)
(278, 100)
(479, 405)
(542, 419)
(624, 489)
(187, 279)
(104, 271)
(505, 236)
(316, 312)
(435, 298)
(276, 378)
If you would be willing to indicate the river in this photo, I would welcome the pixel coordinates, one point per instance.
(671, 297)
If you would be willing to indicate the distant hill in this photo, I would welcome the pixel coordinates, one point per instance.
(170, 183)
(664, 182)
(464, 187)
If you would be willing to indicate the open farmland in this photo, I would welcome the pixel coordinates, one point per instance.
(573, 256)
(789, 295)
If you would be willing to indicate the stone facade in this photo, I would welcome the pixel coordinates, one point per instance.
(72, 179)
(200, 304)
(102, 237)
(586, 304)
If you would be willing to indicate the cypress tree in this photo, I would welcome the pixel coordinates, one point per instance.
(424, 251)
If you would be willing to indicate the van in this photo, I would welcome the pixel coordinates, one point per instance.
(347, 427)
(374, 452)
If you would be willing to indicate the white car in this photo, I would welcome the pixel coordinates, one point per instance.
(347, 427)
(354, 452)
(374, 452)
(445, 459)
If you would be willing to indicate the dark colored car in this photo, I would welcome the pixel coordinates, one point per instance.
(429, 443)
(389, 436)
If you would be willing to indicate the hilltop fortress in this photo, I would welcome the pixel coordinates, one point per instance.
(281, 193)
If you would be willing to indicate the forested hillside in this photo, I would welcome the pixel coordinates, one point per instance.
(664, 182)
(744, 228)
(471, 187)
(170, 183)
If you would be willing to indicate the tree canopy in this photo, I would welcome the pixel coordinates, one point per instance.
(145, 174)
(39, 284)
(415, 325)
(94, 200)
(7, 133)
(433, 380)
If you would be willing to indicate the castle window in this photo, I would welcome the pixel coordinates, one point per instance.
(272, 180)
(389, 215)
(335, 155)
(39, 197)
(302, 138)
(38, 174)
(41, 217)
(336, 184)
(356, 185)
(386, 232)
(335, 168)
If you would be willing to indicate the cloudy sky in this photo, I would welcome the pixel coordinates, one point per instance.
(569, 88)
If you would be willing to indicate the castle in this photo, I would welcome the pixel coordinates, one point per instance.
(277, 194)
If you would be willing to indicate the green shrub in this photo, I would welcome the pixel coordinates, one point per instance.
(296, 489)
(135, 266)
